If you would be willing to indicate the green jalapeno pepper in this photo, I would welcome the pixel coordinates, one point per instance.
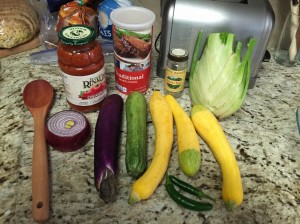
(189, 188)
(185, 201)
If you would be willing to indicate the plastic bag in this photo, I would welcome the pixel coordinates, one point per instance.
(54, 5)
(19, 23)
(48, 21)
(74, 13)
(104, 10)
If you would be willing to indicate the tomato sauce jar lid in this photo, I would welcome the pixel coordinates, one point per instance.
(77, 34)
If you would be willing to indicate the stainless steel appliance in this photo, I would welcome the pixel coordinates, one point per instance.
(183, 19)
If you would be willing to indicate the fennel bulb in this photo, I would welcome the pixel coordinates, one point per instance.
(219, 79)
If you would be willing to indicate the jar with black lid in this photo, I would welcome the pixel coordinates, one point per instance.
(176, 71)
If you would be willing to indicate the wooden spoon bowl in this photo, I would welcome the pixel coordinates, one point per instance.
(38, 97)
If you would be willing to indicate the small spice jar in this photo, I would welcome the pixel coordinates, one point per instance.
(81, 62)
(176, 71)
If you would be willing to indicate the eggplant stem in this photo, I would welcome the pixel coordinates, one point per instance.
(108, 187)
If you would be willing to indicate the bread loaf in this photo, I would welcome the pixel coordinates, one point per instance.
(19, 23)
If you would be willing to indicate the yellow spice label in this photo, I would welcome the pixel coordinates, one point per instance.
(174, 80)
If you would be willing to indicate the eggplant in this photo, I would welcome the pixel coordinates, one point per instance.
(107, 138)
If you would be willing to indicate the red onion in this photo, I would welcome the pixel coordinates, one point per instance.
(68, 131)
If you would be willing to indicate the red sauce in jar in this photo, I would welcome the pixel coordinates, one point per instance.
(81, 62)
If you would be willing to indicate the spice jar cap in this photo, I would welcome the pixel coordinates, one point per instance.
(178, 54)
(77, 34)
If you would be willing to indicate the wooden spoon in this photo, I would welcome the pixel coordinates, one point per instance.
(38, 96)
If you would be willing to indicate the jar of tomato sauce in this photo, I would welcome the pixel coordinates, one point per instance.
(81, 62)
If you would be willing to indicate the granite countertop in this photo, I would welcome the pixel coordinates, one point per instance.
(263, 134)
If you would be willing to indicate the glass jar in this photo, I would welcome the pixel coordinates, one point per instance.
(81, 62)
(288, 48)
(176, 71)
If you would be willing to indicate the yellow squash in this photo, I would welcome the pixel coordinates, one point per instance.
(212, 133)
(187, 139)
(162, 119)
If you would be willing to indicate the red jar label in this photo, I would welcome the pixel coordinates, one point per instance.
(132, 76)
(85, 90)
(132, 59)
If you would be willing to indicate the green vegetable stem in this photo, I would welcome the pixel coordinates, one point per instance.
(185, 201)
(189, 188)
(195, 53)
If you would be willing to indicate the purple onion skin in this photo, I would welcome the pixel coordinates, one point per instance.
(107, 137)
(68, 144)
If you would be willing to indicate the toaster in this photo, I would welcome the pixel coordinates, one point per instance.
(182, 20)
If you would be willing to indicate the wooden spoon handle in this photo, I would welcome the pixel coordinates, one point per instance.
(40, 175)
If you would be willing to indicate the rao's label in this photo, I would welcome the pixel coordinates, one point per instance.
(85, 90)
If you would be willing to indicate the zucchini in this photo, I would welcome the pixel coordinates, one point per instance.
(162, 120)
(136, 142)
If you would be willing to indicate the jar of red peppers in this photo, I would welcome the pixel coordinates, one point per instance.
(81, 62)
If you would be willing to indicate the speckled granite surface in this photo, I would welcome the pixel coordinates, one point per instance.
(263, 134)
